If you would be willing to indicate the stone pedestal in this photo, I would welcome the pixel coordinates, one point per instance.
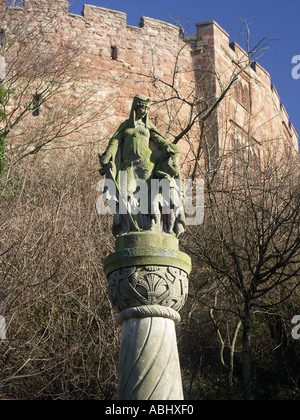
(148, 285)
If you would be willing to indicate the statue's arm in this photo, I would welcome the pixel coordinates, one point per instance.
(159, 140)
(163, 143)
(112, 148)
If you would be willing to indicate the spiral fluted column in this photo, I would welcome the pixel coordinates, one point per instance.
(149, 363)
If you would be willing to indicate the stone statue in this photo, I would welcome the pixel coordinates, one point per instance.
(139, 153)
(147, 274)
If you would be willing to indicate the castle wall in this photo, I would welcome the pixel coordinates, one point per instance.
(139, 53)
(115, 61)
(254, 107)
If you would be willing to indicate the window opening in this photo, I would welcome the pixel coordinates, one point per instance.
(2, 36)
(113, 53)
(36, 104)
(242, 94)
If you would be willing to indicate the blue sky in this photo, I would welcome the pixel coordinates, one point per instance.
(277, 20)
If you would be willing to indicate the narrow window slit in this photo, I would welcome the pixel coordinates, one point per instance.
(113, 53)
(36, 104)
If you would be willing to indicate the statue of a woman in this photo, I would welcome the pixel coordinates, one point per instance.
(139, 151)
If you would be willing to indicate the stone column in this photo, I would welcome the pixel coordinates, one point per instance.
(148, 285)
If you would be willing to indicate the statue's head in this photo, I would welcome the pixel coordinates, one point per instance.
(141, 106)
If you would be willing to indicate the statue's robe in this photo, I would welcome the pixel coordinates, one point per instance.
(136, 150)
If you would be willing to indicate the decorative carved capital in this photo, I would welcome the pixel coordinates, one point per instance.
(148, 286)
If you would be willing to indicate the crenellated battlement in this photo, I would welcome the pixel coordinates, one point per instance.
(46, 5)
(99, 14)
(94, 14)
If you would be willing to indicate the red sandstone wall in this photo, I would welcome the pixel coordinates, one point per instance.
(141, 52)
(259, 114)
(154, 48)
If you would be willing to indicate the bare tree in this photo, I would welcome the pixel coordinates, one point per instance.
(250, 242)
(62, 340)
(187, 111)
(46, 99)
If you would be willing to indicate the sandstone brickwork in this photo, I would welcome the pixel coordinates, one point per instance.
(252, 110)
(115, 61)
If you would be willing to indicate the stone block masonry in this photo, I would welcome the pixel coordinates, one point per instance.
(116, 61)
